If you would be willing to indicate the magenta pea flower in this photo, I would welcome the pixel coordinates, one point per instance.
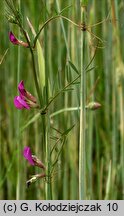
(33, 160)
(15, 41)
(28, 155)
(25, 100)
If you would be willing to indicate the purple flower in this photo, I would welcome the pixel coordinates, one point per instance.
(33, 160)
(20, 103)
(25, 100)
(15, 41)
(24, 93)
(28, 155)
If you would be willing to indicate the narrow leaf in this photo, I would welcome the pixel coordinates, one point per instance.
(40, 58)
(90, 69)
(68, 130)
(73, 67)
(64, 9)
(32, 120)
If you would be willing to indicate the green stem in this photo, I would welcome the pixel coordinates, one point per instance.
(49, 20)
(48, 161)
(82, 171)
(65, 110)
(33, 62)
(35, 77)
(46, 123)
(18, 189)
(56, 159)
(58, 93)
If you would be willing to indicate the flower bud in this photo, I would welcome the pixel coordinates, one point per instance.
(38, 162)
(34, 178)
(15, 41)
(93, 106)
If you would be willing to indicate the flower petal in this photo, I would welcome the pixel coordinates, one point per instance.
(24, 93)
(28, 155)
(13, 38)
(21, 89)
(17, 104)
(15, 41)
(20, 103)
(30, 97)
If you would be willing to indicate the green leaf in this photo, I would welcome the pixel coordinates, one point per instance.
(108, 183)
(68, 130)
(76, 83)
(73, 67)
(40, 58)
(32, 120)
(1, 60)
(64, 9)
(70, 89)
(90, 69)
(41, 64)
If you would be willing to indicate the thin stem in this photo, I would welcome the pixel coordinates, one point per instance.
(18, 189)
(48, 160)
(3, 56)
(58, 93)
(65, 110)
(95, 36)
(93, 89)
(35, 76)
(49, 20)
(82, 163)
(56, 159)
(98, 23)
(92, 57)
(46, 123)
(33, 62)
(59, 139)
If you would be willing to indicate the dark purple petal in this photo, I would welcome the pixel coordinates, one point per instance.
(13, 38)
(21, 89)
(20, 103)
(28, 155)
(24, 93)
(25, 99)
(15, 41)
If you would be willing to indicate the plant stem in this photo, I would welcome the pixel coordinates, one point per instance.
(18, 189)
(58, 93)
(48, 161)
(35, 77)
(33, 63)
(46, 123)
(82, 171)
(49, 20)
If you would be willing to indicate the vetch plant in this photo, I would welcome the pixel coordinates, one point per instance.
(52, 145)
